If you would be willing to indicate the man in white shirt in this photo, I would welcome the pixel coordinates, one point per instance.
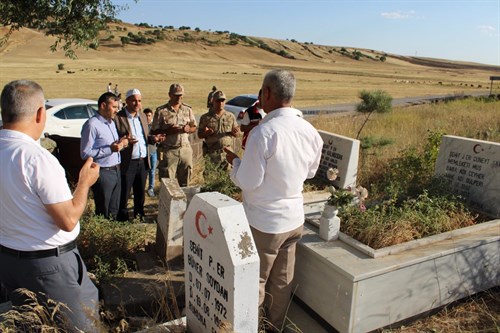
(282, 152)
(39, 215)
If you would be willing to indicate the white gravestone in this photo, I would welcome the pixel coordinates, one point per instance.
(472, 169)
(341, 153)
(172, 204)
(221, 266)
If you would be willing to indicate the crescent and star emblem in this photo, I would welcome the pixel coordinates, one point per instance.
(202, 226)
(477, 148)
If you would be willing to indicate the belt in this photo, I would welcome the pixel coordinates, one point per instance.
(55, 252)
(137, 159)
(114, 167)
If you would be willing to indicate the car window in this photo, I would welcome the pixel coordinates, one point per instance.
(242, 101)
(93, 109)
(73, 112)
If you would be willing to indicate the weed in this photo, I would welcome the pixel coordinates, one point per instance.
(218, 180)
(107, 246)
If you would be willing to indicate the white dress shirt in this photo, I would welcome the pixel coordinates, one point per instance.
(31, 178)
(282, 152)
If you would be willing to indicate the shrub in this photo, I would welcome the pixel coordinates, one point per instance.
(107, 246)
(389, 223)
(60, 67)
(218, 180)
(373, 101)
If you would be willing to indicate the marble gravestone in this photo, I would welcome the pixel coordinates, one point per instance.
(472, 170)
(221, 266)
(341, 153)
(172, 204)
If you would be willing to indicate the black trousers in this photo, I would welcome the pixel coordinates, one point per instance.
(61, 279)
(107, 190)
(133, 179)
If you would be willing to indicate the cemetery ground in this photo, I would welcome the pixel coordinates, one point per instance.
(111, 248)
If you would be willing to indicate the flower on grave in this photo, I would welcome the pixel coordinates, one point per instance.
(332, 173)
(347, 196)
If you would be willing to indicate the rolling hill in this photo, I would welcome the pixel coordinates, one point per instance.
(151, 58)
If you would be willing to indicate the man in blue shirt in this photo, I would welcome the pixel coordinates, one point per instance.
(100, 141)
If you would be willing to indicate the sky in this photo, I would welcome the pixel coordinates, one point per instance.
(446, 29)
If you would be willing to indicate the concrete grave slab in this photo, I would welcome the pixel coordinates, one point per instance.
(221, 266)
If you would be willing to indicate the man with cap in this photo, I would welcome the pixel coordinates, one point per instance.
(133, 124)
(175, 120)
(210, 96)
(218, 127)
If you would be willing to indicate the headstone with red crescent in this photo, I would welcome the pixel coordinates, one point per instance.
(221, 266)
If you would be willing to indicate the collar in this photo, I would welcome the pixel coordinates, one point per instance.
(13, 134)
(129, 115)
(282, 112)
(102, 119)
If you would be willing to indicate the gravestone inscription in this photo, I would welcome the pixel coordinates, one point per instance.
(341, 153)
(221, 266)
(472, 170)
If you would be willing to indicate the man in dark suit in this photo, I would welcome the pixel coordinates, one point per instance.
(131, 122)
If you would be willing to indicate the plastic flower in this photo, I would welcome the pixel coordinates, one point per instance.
(348, 196)
(331, 174)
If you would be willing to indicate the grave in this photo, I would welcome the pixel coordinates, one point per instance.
(357, 289)
(472, 170)
(221, 266)
(341, 153)
(172, 203)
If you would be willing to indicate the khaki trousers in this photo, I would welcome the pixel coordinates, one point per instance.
(176, 163)
(277, 264)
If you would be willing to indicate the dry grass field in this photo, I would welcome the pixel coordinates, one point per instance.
(324, 75)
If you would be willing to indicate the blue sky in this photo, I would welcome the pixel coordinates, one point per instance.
(446, 29)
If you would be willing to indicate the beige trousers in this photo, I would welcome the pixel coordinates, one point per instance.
(176, 163)
(277, 264)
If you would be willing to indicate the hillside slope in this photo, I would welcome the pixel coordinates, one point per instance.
(151, 58)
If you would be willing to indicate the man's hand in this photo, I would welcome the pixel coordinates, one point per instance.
(208, 131)
(159, 138)
(89, 173)
(230, 156)
(120, 144)
(235, 131)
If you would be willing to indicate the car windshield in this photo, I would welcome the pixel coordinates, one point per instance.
(242, 101)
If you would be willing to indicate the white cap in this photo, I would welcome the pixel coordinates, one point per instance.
(131, 92)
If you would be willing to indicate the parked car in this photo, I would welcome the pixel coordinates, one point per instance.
(239, 104)
(66, 116)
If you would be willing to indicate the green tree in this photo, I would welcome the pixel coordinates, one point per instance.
(373, 101)
(74, 23)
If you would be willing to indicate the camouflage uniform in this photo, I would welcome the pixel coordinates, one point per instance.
(222, 126)
(175, 154)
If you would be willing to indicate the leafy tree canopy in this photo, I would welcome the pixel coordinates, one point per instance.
(75, 23)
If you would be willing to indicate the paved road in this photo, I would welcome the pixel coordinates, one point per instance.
(396, 102)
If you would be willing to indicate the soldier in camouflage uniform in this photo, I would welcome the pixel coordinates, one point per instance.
(218, 127)
(177, 121)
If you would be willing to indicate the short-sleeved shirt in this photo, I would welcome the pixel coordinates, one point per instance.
(166, 117)
(222, 125)
(31, 178)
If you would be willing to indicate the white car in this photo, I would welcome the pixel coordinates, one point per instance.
(239, 104)
(66, 116)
